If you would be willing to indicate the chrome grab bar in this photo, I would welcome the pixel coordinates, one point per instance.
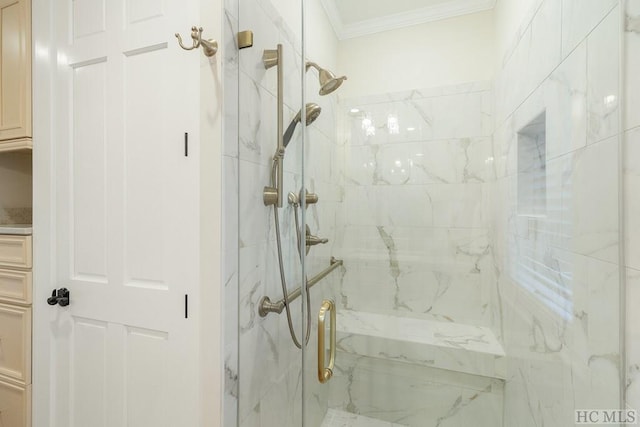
(326, 372)
(266, 306)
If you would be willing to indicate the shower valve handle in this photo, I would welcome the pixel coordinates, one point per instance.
(315, 240)
(311, 240)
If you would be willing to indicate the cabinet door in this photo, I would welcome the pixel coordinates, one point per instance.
(15, 251)
(15, 344)
(15, 404)
(15, 70)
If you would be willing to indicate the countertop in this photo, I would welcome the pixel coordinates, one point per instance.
(17, 229)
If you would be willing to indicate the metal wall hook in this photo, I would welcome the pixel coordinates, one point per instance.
(209, 47)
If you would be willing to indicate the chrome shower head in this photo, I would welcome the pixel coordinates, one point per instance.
(312, 111)
(328, 81)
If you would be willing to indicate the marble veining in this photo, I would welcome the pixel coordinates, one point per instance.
(557, 272)
(335, 418)
(394, 268)
(460, 403)
(633, 24)
(230, 187)
(416, 212)
(419, 342)
(413, 396)
(423, 331)
(267, 390)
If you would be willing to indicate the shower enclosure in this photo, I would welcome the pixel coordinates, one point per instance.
(438, 238)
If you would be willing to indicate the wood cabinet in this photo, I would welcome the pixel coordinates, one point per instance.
(15, 330)
(15, 405)
(15, 75)
(15, 286)
(15, 251)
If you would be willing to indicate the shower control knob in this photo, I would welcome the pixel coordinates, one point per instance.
(312, 240)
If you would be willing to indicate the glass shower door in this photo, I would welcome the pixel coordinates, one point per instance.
(270, 329)
(459, 217)
(475, 211)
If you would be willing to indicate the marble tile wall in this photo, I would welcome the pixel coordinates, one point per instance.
(416, 224)
(230, 264)
(263, 381)
(559, 270)
(632, 201)
(427, 221)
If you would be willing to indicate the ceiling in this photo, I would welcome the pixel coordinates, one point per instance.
(355, 18)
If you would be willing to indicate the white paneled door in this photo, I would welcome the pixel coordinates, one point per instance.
(124, 352)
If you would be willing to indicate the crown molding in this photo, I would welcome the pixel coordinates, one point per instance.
(403, 19)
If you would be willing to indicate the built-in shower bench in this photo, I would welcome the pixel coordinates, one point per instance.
(445, 345)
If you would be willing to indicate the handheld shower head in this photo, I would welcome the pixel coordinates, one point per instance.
(312, 111)
(328, 81)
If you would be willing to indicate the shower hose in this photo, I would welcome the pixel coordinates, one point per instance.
(283, 280)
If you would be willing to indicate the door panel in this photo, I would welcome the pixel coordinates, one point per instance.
(125, 350)
(90, 361)
(89, 214)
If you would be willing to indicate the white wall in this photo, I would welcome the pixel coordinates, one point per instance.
(321, 42)
(441, 53)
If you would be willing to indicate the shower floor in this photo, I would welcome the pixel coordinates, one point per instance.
(416, 371)
(336, 418)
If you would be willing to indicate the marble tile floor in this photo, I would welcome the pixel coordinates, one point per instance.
(335, 418)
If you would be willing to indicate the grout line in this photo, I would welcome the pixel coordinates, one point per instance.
(563, 59)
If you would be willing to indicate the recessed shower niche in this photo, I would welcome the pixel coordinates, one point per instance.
(532, 168)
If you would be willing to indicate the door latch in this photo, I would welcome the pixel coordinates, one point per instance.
(60, 297)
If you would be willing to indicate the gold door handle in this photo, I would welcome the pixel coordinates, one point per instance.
(326, 372)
